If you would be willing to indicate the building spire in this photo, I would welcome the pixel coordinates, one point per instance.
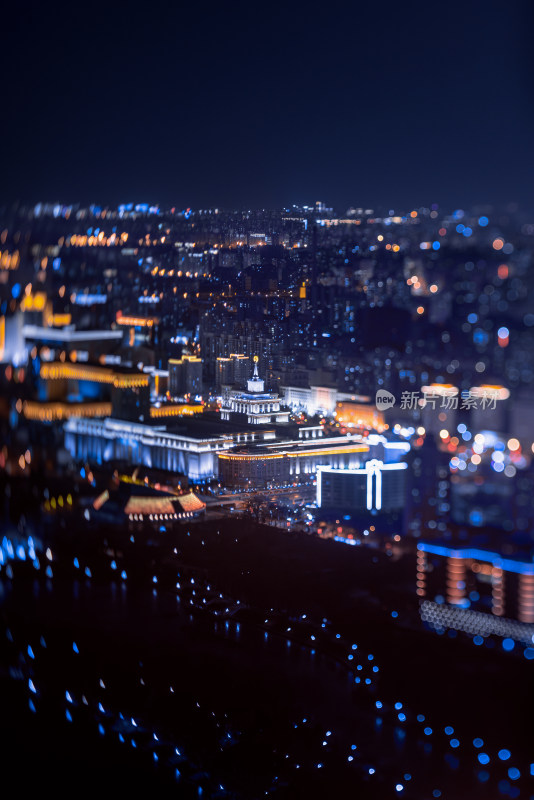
(255, 384)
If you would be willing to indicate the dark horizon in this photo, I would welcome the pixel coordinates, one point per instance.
(245, 107)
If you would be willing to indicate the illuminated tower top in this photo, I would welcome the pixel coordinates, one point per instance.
(255, 385)
(259, 406)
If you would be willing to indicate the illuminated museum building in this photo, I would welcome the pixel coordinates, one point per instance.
(238, 449)
(289, 461)
(242, 456)
(298, 460)
(137, 438)
(255, 405)
(476, 590)
(192, 453)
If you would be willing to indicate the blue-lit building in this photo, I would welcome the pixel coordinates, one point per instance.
(476, 590)
(192, 452)
(254, 405)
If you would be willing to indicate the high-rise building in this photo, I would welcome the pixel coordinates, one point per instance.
(185, 376)
(232, 370)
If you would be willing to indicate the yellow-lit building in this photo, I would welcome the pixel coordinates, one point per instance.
(291, 461)
(352, 414)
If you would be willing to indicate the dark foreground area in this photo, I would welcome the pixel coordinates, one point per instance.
(232, 659)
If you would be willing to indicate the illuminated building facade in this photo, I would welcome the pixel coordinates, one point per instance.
(375, 487)
(139, 329)
(243, 470)
(291, 461)
(255, 405)
(175, 410)
(189, 449)
(87, 344)
(353, 414)
(135, 322)
(12, 345)
(246, 457)
(116, 440)
(128, 391)
(311, 399)
(475, 590)
(57, 371)
(159, 382)
(54, 411)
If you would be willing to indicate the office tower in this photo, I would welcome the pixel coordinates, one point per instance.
(185, 376)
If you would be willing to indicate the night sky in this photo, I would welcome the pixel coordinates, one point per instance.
(382, 104)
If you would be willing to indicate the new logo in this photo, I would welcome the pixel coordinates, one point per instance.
(384, 400)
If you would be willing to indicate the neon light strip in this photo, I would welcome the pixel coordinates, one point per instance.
(369, 488)
(363, 470)
(378, 500)
(521, 567)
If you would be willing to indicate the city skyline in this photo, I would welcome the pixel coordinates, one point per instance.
(267, 400)
(267, 480)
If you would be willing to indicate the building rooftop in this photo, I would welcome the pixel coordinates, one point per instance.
(137, 500)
